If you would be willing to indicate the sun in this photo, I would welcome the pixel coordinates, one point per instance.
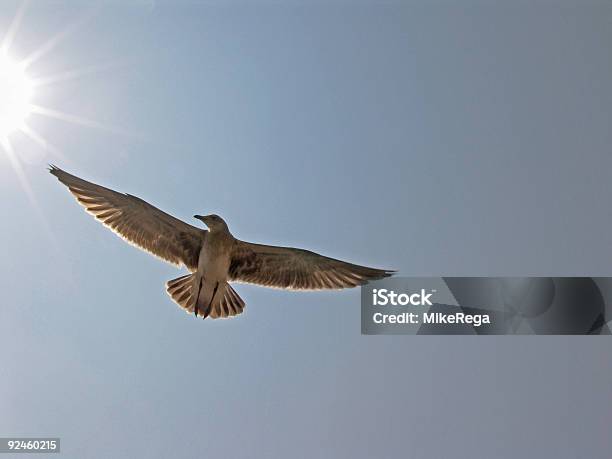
(18, 94)
(15, 95)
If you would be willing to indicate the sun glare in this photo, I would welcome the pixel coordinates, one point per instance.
(18, 93)
(15, 95)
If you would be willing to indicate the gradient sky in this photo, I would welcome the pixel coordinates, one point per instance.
(436, 138)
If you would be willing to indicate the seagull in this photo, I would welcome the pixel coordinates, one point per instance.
(214, 257)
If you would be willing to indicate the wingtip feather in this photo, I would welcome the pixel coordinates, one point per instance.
(54, 170)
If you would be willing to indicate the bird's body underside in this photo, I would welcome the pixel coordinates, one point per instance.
(210, 280)
(213, 257)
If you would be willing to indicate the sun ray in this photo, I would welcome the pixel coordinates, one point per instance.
(78, 120)
(23, 181)
(42, 142)
(10, 153)
(13, 28)
(57, 38)
(76, 73)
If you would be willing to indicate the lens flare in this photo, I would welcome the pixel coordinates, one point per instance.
(15, 95)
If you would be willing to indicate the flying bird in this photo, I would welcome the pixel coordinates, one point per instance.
(214, 257)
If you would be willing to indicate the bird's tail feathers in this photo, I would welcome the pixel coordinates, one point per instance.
(226, 302)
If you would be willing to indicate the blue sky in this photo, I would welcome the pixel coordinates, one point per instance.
(439, 138)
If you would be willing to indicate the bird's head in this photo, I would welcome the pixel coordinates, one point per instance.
(214, 222)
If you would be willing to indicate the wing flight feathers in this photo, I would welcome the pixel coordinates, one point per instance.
(296, 269)
(137, 221)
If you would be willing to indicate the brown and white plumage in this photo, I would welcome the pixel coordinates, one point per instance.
(137, 221)
(295, 269)
(214, 257)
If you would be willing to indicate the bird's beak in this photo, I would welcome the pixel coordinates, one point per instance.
(199, 217)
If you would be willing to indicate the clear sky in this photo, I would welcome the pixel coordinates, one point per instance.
(436, 138)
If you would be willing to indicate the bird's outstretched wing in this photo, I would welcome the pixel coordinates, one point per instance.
(295, 269)
(137, 221)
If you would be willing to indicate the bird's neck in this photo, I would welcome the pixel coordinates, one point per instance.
(220, 233)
